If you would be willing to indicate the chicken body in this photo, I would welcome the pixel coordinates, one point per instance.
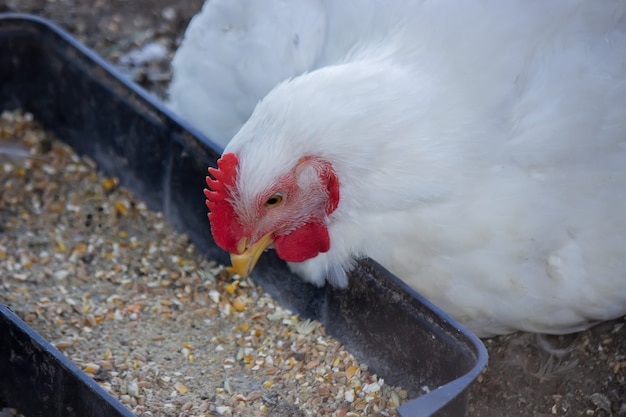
(479, 146)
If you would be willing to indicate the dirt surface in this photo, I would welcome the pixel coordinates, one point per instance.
(528, 375)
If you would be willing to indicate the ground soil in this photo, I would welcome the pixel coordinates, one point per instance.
(528, 375)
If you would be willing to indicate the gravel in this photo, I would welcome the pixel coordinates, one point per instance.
(129, 300)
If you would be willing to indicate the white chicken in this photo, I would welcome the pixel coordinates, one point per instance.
(476, 149)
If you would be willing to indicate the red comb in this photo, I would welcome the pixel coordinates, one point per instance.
(220, 181)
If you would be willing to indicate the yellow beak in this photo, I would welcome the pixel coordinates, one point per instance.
(244, 261)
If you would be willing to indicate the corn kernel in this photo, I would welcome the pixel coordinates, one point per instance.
(239, 304)
(181, 388)
(109, 184)
(121, 208)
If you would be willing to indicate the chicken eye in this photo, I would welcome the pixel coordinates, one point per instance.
(274, 200)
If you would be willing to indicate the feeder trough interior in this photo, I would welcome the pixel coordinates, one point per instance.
(131, 135)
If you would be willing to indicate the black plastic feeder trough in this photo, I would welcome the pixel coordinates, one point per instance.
(132, 136)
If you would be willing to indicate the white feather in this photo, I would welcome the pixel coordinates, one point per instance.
(235, 52)
(480, 145)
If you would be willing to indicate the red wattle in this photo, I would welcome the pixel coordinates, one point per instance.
(304, 243)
